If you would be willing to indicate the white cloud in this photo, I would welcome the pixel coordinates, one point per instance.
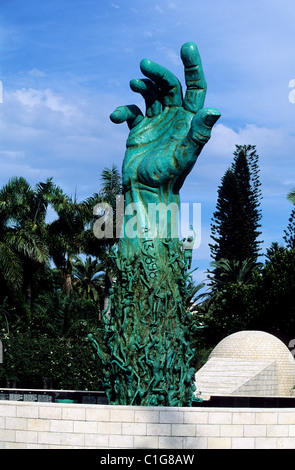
(275, 147)
(11, 155)
(224, 139)
(69, 137)
(159, 9)
(43, 98)
(37, 73)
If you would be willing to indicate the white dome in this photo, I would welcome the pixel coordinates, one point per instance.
(261, 346)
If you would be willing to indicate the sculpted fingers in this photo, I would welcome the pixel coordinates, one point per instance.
(165, 80)
(150, 93)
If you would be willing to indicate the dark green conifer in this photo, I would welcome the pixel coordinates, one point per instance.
(235, 223)
(289, 236)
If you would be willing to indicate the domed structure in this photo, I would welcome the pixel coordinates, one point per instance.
(248, 363)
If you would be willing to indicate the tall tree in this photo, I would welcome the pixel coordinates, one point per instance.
(111, 186)
(246, 169)
(235, 222)
(67, 232)
(226, 220)
(23, 235)
(88, 276)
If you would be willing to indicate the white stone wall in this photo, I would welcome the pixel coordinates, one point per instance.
(55, 425)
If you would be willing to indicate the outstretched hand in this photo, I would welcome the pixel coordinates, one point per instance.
(163, 145)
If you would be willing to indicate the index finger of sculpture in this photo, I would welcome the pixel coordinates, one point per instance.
(167, 82)
(194, 78)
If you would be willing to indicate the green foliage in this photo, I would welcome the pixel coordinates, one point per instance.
(276, 293)
(233, 272)
(291, 196)
(51, 344)
(88, 278)
(44, 327)
(244, 294)
(23, 246)
(30, 359)
(289, 236)
(111, 185)
(263, 300)
(50, 298)
(231, 310)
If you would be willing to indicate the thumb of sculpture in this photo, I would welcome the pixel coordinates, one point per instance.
(202, 124)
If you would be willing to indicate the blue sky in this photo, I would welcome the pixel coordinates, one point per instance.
(66, 65)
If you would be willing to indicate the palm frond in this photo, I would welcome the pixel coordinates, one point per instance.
(291, 196)
(10, 266)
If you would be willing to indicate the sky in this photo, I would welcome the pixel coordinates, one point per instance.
(65, 65)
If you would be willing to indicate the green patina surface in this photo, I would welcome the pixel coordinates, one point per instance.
(147, 354)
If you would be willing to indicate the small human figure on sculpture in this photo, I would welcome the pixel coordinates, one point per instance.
(188, 246)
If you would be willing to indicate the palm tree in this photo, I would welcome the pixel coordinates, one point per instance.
(67, 231)
(195, 296)
(23, 243)
(111, 185)
(236, 271)
(72, 232)
(291, 196)
(88, 278)
(230, 271)
(10, 263)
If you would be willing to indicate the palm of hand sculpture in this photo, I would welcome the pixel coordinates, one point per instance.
(164, 145)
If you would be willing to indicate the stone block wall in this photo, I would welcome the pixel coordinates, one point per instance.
(55, 425)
